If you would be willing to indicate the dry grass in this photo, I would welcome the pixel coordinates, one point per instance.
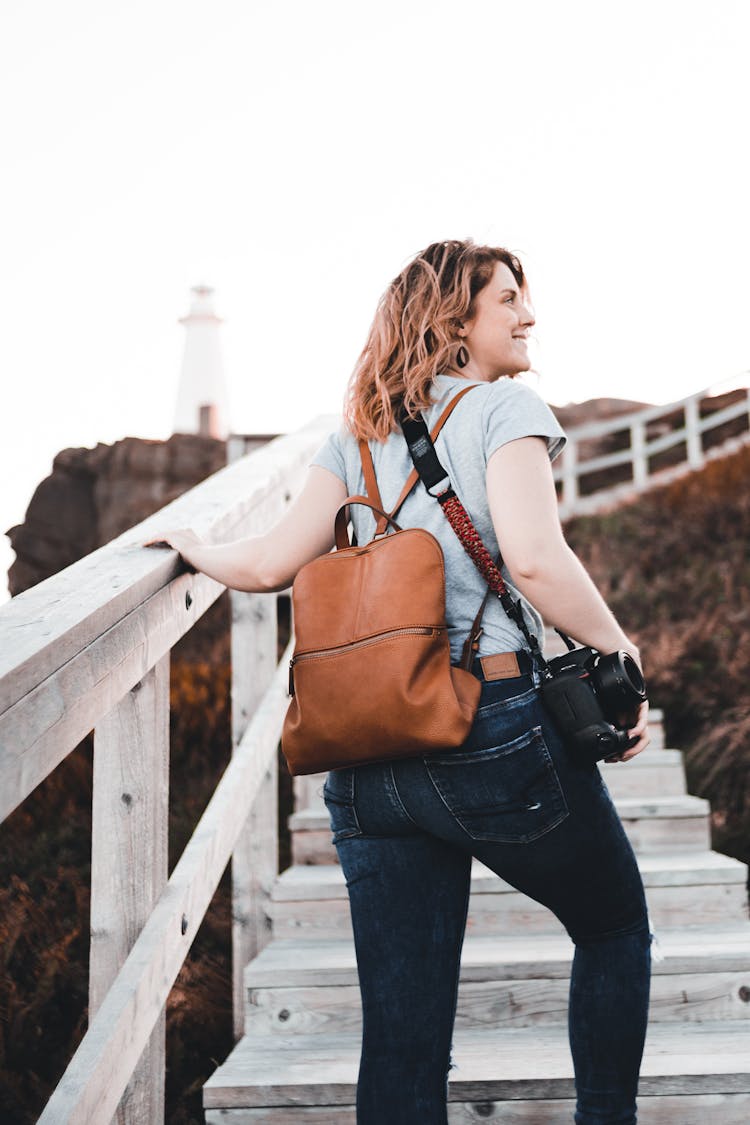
(675, 568)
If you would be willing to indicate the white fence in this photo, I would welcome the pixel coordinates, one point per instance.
(651, 432)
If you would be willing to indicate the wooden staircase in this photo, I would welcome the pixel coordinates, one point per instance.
(298, 1059)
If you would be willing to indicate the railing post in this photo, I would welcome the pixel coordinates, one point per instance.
(129, 859)
(570, 477)
(255, 860)
(693, 433)
(638, 451)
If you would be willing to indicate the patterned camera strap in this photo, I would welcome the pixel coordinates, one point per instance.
(438, 484)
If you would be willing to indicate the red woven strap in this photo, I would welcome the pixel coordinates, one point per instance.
(460, 521)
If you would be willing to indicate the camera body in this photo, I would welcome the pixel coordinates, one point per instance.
(592, 700)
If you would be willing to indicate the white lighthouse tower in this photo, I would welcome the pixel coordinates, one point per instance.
(202, 404)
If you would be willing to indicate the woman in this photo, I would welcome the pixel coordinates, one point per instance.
(406, 832)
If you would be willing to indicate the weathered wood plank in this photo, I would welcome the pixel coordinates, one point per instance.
(275, 1115)
(659, 808)
(99, 1071)
(691, 890)
(39, 730)
(669, 906)
(48, 624)
(659, 823)
(308, 790)
(492, 1065)
(654, 773)
(72, 646)
(695, 1109)
(289, 964)
(653, 780)
(255, 859)
(495, 1003)
(129, 848)
(664, 869)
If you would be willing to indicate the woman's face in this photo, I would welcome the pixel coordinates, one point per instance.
(496, 335)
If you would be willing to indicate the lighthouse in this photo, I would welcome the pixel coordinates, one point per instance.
(202, 404)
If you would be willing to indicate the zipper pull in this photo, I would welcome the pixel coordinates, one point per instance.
(291, 676)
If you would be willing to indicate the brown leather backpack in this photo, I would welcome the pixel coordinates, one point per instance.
(371, 677)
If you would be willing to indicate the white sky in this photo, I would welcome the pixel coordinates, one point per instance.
(295, 155)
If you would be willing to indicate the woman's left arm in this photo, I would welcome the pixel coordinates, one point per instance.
(268, 562)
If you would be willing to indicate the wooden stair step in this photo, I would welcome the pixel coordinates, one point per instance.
(491, 1066)
(308, 787)
(651, 823)
(637, 806)
(305, 986)
(666, 822)
(631, 807)
(680, 1109)
(658, 772)
(691, 889)
(302, 883)
(289, 962)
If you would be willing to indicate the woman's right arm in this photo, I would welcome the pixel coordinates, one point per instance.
(523, 506)
(271, 561)
(524, 510)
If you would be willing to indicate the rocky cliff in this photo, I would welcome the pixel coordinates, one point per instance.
(93, 495)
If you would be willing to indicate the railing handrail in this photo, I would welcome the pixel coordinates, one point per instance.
(75, 643)
(97, 1075)
(642, 448)
(78, 603)
(89, 649)
(649, 413)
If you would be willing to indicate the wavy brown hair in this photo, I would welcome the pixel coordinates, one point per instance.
(413, 335)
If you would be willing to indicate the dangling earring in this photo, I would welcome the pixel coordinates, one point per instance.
(462, 356)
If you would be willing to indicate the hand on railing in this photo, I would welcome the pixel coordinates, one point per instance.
(184, 540)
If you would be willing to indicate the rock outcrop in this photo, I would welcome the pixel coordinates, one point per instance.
(93, 495)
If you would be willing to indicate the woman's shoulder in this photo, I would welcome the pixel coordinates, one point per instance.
(504, 410)
(505, 392)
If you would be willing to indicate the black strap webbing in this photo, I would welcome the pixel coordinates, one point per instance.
(432, 473)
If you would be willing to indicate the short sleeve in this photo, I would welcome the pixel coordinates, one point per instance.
(331, 456)
(514, 410)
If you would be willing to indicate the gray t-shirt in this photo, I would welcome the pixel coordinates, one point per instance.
(484, 419)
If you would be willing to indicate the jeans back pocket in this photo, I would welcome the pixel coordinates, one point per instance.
(508, 794)
(338, 797)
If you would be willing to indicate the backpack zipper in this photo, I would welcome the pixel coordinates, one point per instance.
(415, 630)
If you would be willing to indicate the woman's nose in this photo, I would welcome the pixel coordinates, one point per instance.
(527, 317)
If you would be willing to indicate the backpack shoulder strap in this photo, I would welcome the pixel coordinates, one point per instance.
(368, 467)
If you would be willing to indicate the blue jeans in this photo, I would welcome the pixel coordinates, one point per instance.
(405, 834)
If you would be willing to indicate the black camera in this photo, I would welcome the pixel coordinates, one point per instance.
(593, 699)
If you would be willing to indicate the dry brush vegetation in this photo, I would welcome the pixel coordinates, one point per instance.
(675, 568)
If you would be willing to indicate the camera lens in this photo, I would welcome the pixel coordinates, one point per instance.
(619, 682)
(634, 674)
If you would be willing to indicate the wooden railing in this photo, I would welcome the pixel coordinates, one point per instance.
(644, 444)
(90, 649)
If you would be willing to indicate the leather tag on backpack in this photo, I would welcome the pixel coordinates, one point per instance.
(500, 666)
